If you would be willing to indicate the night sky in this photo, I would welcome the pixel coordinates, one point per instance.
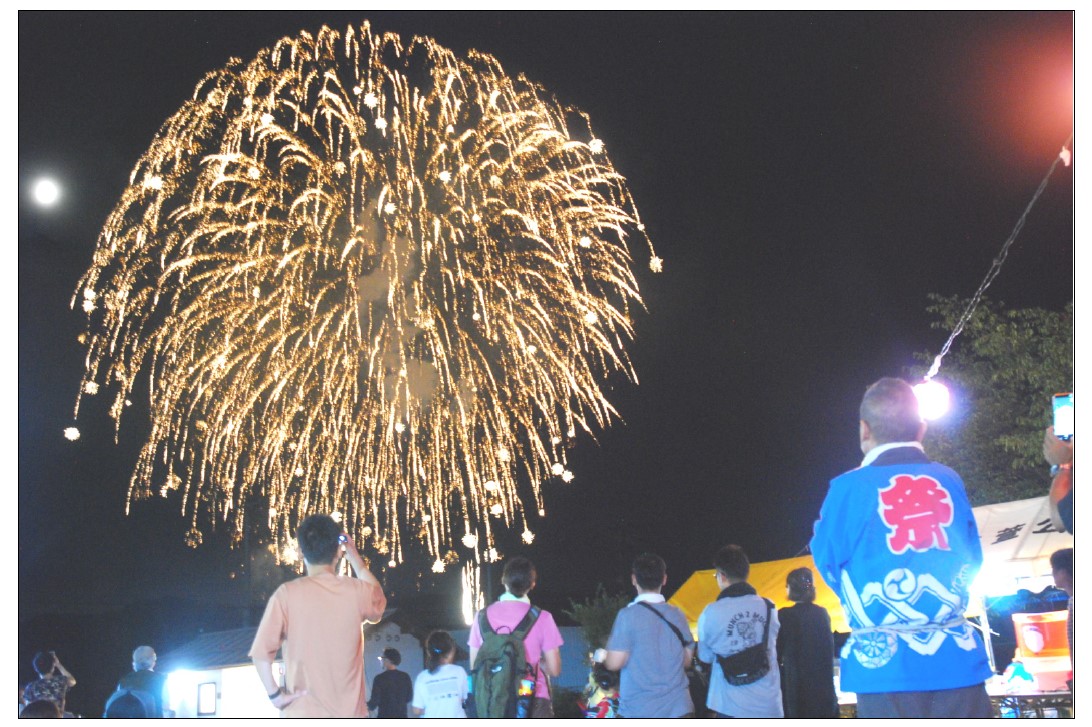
(808, 178)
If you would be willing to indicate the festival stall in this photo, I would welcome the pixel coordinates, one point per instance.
(1017, 540)
(768, 578)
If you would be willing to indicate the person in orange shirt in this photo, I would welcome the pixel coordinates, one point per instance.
(318, 619)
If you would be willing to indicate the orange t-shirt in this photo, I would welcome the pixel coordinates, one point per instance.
(320, 621)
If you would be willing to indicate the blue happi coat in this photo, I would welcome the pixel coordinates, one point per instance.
(897, 541)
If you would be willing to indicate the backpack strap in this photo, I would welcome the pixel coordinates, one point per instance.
(664, 619)
(483, 623)
(521, 629)
(528, 622)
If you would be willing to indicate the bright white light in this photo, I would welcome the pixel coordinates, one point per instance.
(46, 192)
(933, 399)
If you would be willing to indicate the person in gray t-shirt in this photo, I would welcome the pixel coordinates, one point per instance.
(651, 645)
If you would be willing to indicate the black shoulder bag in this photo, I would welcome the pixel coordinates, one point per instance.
(751, 664)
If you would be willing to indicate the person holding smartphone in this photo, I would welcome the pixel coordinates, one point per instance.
(1059, 454)
(316, 619)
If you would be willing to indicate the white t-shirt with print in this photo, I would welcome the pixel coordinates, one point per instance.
(441, 694)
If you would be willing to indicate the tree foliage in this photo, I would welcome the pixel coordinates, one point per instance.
(1002, 371)
(596, 615)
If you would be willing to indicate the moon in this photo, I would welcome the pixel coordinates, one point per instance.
(46, 192)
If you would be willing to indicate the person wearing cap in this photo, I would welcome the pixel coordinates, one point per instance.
(392, 689)
(143, 678)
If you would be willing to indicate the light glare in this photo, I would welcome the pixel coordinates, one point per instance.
(933, 399)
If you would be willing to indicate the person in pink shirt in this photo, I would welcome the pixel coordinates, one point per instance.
(317, 620)
(542, 645)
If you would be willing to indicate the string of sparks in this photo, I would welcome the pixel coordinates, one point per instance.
(1065, 157)
(365, 278)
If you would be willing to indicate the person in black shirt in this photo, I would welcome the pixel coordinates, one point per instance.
(144, 678)
(392, 690)
(805, 651)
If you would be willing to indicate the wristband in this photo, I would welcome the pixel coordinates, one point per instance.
(1055, 469)
(274, 695)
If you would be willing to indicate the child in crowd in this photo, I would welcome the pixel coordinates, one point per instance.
(601, 694)
(440, 690)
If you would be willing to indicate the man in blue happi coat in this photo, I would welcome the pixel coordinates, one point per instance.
(897, 541)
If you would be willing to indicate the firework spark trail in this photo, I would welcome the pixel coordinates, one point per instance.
(364, 277)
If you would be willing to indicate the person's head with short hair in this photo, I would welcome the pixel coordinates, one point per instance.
(44, 661)
(440, 650)
(519, 576)
(800, 585)
(41, 709)
(143, 658)
(1061, 565)
(391, 658)
(732, 564)
(649, 572)
(889, 413)
(318, 540)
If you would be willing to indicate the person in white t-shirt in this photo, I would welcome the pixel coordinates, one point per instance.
(440, 690)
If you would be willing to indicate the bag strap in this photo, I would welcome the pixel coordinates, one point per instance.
(528, 622)
(766, 630)
(483, 623)
(664, 619)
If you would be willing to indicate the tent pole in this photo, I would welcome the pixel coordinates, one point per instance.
(986, 636)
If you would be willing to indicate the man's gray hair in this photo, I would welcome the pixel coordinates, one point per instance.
(890, 408)
(143, 658)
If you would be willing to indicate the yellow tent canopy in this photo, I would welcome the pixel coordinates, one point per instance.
(768, 578)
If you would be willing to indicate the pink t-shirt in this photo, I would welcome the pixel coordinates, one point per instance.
(318, 620)
(504, 616)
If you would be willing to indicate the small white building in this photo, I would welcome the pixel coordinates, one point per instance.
(212, 676)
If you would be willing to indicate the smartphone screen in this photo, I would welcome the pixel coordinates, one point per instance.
(1063, 416)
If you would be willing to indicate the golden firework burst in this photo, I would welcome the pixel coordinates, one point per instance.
(365, 277)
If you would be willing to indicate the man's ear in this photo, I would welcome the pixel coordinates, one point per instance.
(866, 431)
(665, 580)
(921, 431)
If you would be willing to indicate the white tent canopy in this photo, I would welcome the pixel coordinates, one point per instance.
(1017, 540)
